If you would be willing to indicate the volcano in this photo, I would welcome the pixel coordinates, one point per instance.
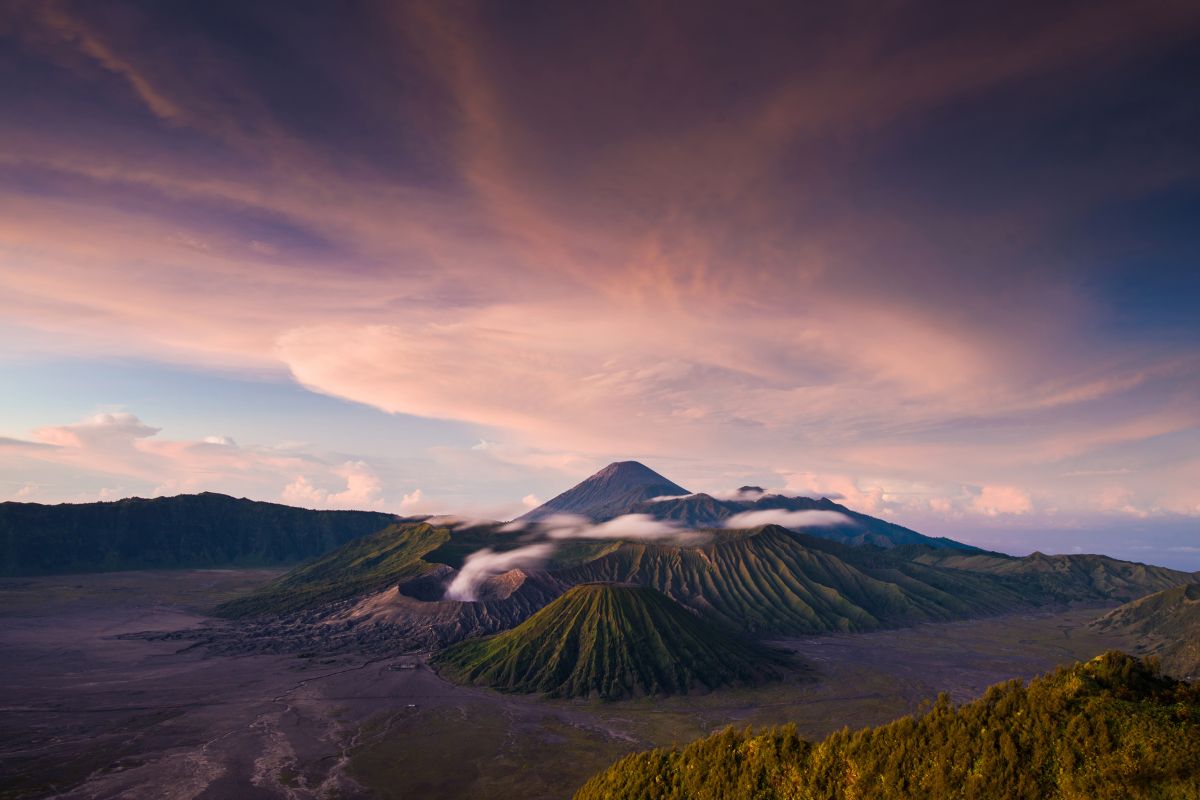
(611, 641)
(609, 493)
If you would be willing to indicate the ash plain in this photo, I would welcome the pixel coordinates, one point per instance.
(90, 708)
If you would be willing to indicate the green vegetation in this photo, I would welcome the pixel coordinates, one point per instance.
(1167, 625)
(1112, 727)
(1061, 577)
(775, 581)
(611, 642)
(765, 581)
(364, 565)
(188, 531)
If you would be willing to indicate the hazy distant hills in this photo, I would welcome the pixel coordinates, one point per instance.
(200, 530)
(1062, 577)
(1107, 729)
(609, 493)
(1167, 625)
(610, 641)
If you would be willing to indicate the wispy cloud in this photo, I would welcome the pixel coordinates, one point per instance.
(788, 519)
(714, 258)
(486, 563)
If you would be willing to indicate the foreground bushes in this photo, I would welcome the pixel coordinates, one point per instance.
(1110, 728)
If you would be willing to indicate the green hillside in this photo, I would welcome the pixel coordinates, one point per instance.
(365, 565)
(610, 642)
(1106, 729)
(1061, 577)
(775, 581)
(766, 581)
(198, 530)
(1167, 625)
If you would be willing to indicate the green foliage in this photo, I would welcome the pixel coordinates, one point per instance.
(1166, 624)
(1106, 729)
(1060, 578)
(772, 580)
(611, 642)
(364, 565)
(765, 581)
(199, 530)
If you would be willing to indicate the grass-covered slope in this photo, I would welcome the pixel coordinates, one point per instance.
(1106, 729)
(609, 642)
(365, 565)
(1063, 577)
(766, 581)
(775, 581)
(1167, 625)
(198, 530)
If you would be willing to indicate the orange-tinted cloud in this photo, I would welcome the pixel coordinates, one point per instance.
(598, 233)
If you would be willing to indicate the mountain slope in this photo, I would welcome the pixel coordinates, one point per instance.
(704, 511)
(1167, 624)
(768, 581)
(627, 487)
(1106, 729)
(200, 530)
(365, 565)
(609, 493)
(1061, 577)
(612, 642)
(772, 581)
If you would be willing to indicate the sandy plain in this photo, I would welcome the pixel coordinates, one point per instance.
(88, 711)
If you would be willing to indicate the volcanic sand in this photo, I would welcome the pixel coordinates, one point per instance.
(89, 713)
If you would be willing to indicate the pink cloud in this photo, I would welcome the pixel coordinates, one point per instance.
(994, 500)
(658, 295)
(363, 490)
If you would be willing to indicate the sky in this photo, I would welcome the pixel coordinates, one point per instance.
(938, 260)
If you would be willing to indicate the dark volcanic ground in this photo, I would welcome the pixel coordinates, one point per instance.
(89, 713)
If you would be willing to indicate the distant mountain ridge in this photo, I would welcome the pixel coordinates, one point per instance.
(1078, 576)
(609, 493)
(196, 530)
(628, 487)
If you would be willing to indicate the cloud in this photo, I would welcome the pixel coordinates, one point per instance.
(117, 429)
(994, 500)
(628, 526)
(788, 519)
(25, 493)
(663, 498)
(700, 278)
(11, 444)
(485, 563)
(530, 501)
(363, 490)
(119, 445)
(744, 493)
(866, 498)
